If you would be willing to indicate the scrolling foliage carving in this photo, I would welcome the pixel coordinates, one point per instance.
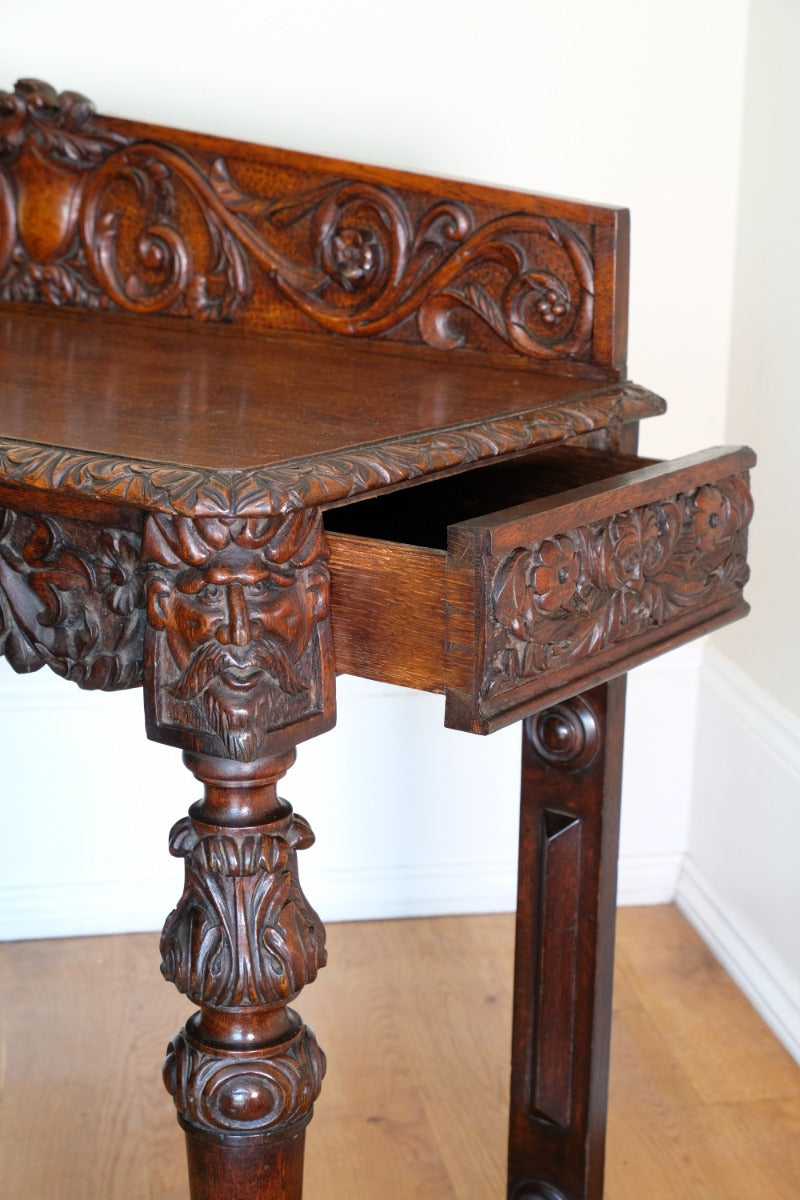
(239, 643)
(71, 598)
(92, 218)
(583, 591)
(243, 933)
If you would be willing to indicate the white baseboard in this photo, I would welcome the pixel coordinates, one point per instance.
(765, 721)
(648, 878)
(78, 910)
(740, 884)
(757, 972)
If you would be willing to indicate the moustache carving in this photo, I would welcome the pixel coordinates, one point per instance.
(214, 662)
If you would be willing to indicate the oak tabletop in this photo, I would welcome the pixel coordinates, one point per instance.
(216, 399)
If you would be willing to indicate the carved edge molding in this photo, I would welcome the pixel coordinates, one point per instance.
(91, 218)
(579, 593)
(323, 479)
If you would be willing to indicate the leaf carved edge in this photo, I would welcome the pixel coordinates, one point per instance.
(318, 479)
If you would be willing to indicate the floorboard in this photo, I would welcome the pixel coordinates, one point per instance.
(415, 1018)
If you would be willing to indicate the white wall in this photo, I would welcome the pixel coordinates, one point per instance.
(622, 102)
(741, 883)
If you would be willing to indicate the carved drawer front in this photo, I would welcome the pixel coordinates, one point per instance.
(601, 562)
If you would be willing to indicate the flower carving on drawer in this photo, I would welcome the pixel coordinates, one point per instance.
(580, 592)
(91, 217)
(555, 574)
(71, 598)
(711, 515)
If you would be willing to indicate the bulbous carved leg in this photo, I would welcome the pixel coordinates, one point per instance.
(569, 833)
(244, 1072)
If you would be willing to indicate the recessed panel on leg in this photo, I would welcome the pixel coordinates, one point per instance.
(551, 1069)
(571, 772)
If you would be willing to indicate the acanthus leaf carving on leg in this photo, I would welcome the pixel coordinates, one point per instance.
(243, 933)
(241, 943)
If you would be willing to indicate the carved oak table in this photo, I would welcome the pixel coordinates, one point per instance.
(268, 417)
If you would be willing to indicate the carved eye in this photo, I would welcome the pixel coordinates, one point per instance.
(259, 588)
(275, 581)
(210, 594)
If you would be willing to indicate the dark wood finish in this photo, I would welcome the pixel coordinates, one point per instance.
(564, 590)
(244, 1071)
(206, 344)
(573, 590)
(238, 650)
(566, 900)
(103, 214)
(184, 419)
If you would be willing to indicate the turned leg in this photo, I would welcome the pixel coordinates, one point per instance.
(244, 1071)
(238, 661)
(569, 833)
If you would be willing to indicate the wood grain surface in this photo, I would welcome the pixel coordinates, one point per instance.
(415, 1019)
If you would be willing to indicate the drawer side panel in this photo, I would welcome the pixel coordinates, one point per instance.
(387, 608)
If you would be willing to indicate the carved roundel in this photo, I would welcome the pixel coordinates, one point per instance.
(565, 735)
(246, 1092)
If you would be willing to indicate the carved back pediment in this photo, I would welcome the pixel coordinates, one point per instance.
(101, 213)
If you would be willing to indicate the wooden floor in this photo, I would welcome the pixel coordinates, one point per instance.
(705, 1104)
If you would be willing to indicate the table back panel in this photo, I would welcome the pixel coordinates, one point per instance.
(102, 213)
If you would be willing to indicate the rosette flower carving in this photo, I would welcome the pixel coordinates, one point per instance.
(633, 548)
(352, 256)
(119, 573)
(711, 516)
(555, 574)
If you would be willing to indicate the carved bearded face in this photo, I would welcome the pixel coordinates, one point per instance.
(238, 620)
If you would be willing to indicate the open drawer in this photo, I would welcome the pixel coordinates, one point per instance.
(587, 564)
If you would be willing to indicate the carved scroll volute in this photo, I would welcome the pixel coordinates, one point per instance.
(238, 650)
